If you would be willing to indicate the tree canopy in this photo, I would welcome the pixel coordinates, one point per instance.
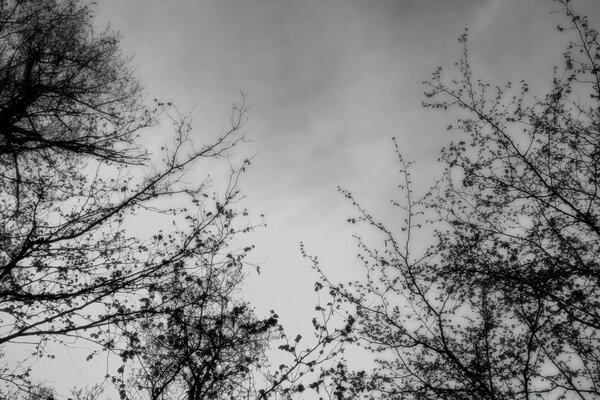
(501, 300)
(74, 175)
(504, 302)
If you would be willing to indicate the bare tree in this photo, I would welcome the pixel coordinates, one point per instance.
(209, 346)
(504, 303)
(74, 178)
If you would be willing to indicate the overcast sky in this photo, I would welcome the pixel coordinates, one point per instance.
(329, 82)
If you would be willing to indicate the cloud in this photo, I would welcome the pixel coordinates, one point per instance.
(485, 15)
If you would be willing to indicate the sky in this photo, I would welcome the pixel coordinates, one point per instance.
(329, 83)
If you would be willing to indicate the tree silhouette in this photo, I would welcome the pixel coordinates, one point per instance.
(504, 303)
(75, 179)
(207, 347)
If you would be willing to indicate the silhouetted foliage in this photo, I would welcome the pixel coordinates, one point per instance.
(207, 348)
(505, 303)
(33, 392)
(75, 183)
